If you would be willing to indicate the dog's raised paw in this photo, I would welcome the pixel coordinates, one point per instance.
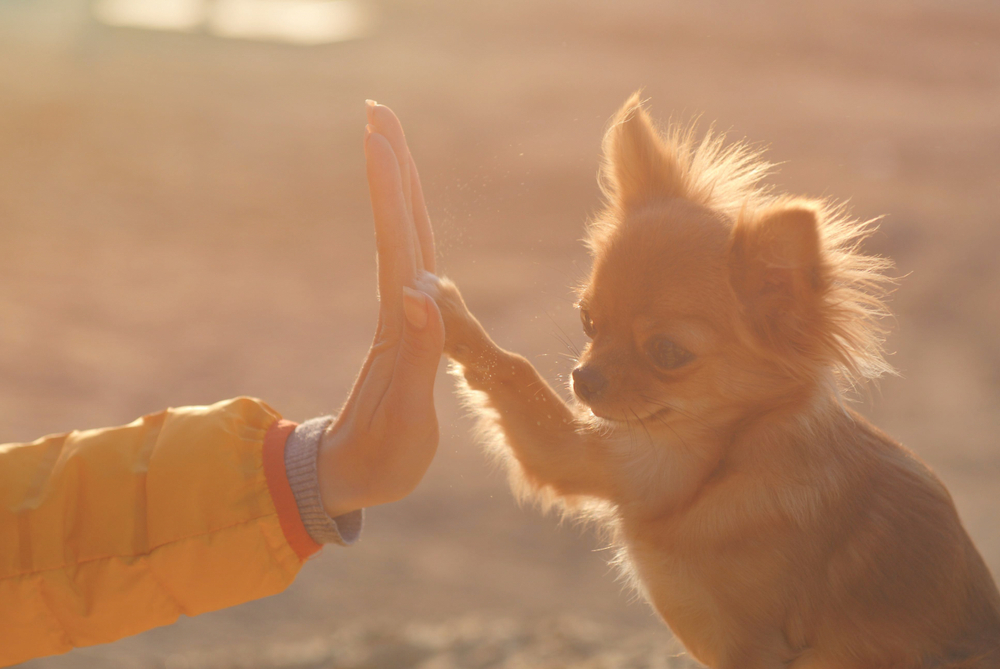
(460, 325)
(428, 283)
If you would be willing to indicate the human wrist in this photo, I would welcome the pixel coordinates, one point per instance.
(340, 479)
(302, 455)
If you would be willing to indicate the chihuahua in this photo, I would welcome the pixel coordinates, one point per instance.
(767, 523)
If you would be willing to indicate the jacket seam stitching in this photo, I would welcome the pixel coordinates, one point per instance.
(139, 555)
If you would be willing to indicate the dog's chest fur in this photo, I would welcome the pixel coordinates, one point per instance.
(681, 598)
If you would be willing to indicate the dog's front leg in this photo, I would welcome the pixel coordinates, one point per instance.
(552, 448)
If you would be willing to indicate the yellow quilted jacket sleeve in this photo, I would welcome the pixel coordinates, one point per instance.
(105, 533)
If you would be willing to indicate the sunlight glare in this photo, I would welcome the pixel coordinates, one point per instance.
(301, 21)
(292, 21)
(182, 15)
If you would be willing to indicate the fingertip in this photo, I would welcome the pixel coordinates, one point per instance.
(370, 105)
(415, 308)
(378, 144)
(424, 320)
(386, 120)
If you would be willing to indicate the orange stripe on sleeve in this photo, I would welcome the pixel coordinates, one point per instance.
(281, 492)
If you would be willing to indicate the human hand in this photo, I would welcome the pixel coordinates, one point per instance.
(386, 435)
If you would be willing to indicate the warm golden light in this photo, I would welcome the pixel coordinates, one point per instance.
(295, 21)
(291, 21)
(182, 15)
(185, 218)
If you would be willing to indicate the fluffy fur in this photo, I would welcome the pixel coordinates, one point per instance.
(768, 524)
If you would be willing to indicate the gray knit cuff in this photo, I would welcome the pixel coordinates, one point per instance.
(301, 452)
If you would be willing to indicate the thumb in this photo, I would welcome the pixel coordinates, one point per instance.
(422, 345)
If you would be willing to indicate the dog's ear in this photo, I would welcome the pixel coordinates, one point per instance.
(637, 166)
(776, 269)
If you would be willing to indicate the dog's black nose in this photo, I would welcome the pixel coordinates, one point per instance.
(588, 382)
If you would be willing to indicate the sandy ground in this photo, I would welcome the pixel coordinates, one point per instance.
(185, 219)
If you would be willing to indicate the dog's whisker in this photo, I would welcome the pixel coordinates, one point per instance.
(565, 338)
(671, 428)
(686, 414)
(648, 435)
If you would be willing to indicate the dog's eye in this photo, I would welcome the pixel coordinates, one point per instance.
(588, 323)
(668, 355)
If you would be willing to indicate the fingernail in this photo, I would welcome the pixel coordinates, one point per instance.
(368, 134)
(370, 108)
(415, 307)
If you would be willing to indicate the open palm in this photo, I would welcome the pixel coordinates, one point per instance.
(385, 437)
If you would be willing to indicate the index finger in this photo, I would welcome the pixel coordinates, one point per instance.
(394, 235)
(422, 220)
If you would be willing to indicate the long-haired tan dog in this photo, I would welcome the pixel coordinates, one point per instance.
(770, 525)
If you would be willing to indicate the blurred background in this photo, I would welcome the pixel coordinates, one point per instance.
(184, 218)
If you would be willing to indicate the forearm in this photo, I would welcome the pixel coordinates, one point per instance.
(106, 533)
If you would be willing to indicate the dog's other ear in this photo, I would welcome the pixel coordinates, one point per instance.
(637, 167)
(776, 269)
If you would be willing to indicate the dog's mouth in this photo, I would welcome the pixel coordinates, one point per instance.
(629, 416)
(660, 413)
